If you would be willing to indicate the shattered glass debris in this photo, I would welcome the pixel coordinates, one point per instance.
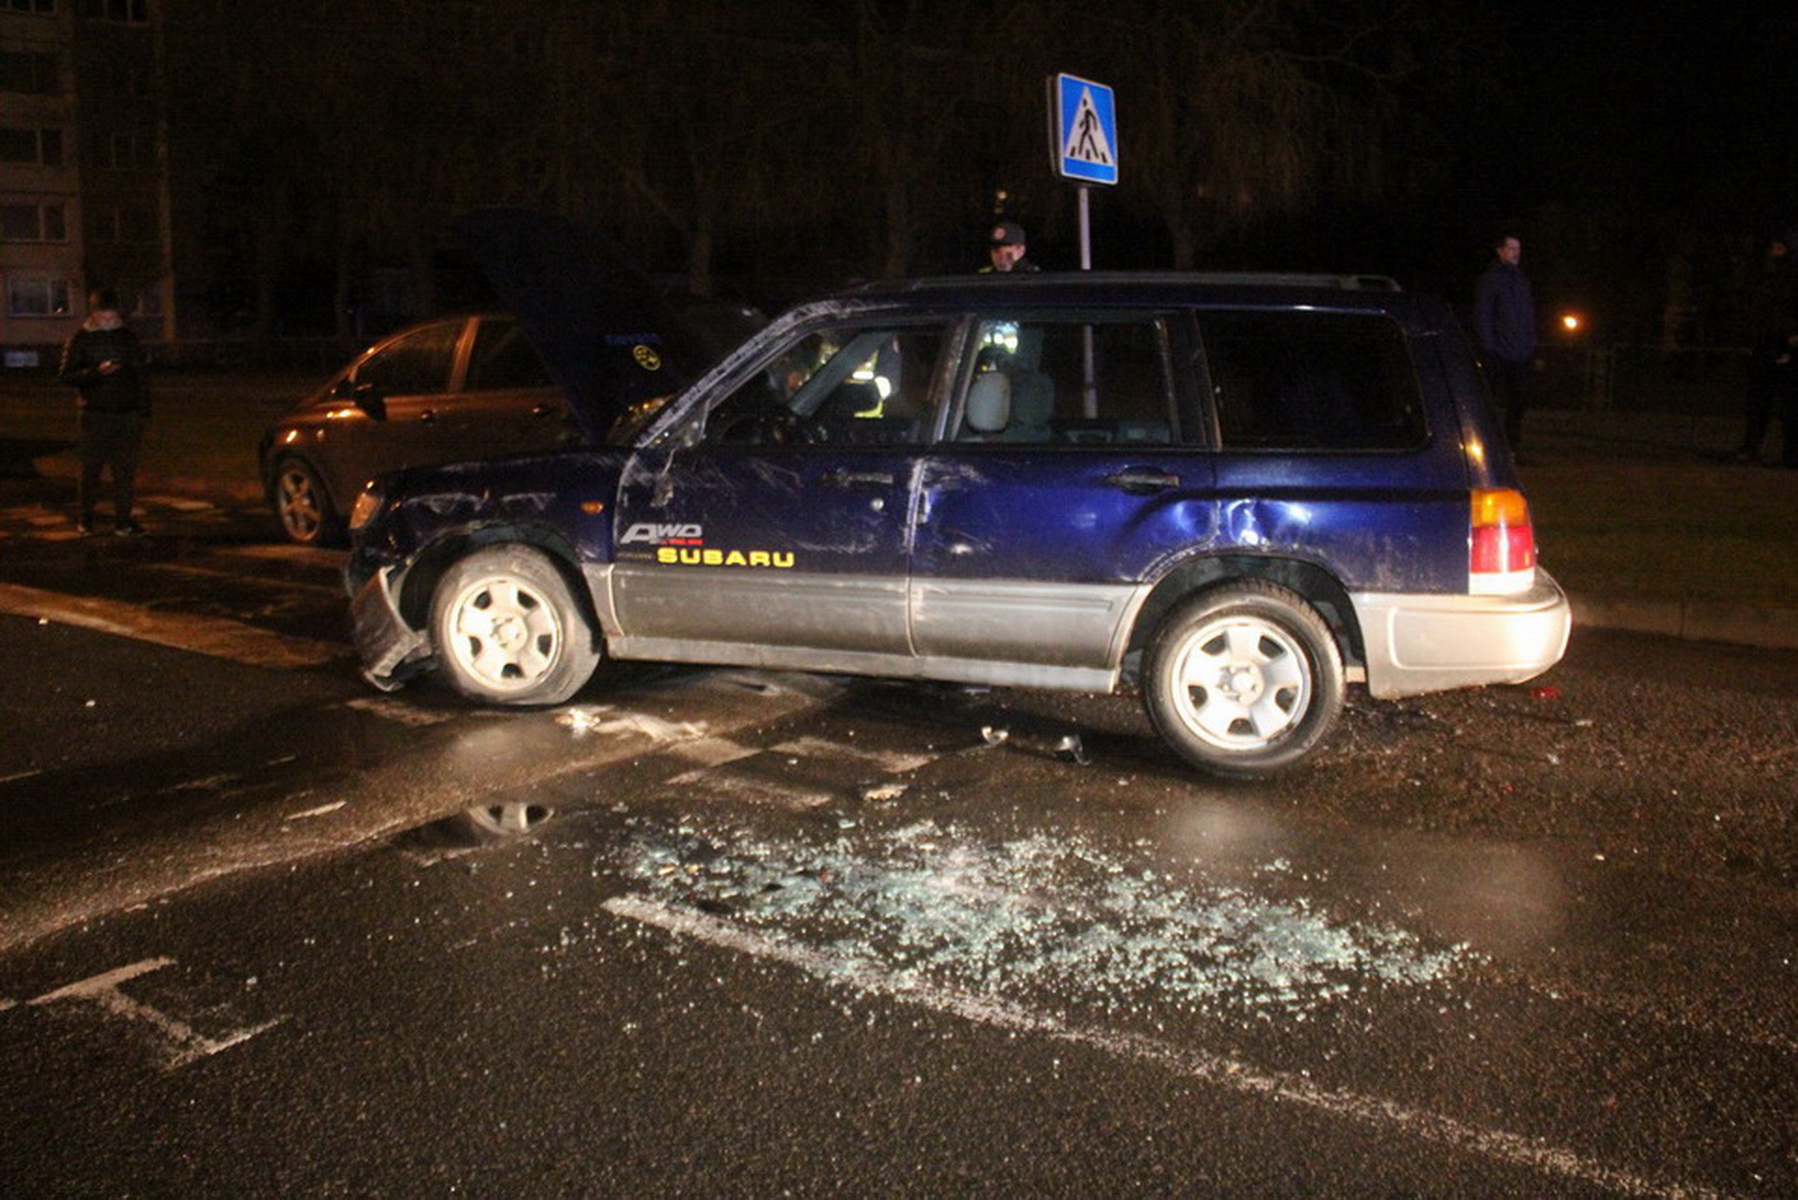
(1050, 919)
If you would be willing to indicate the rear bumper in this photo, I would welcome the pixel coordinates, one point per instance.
(1419, 644)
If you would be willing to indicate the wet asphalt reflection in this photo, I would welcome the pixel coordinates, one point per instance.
(805, 940)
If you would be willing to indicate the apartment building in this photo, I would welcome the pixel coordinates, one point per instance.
(83, 181)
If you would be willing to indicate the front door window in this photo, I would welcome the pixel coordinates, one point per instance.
(780, 516)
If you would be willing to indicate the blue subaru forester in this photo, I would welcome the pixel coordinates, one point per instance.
(1236, 495)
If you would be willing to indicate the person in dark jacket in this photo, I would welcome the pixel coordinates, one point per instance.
(1006, 250)
(104, 363)
(1505, 319)
(1773, 360)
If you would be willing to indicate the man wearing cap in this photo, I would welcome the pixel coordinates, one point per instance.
(1006, 250)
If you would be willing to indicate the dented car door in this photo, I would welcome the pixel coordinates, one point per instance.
(1067, 481)
(778, 522)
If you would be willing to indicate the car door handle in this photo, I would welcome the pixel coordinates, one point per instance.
(1142, 481)
(545, 410)
(428, 415)
(857, 479)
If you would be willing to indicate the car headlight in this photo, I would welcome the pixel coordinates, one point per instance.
(368, 503)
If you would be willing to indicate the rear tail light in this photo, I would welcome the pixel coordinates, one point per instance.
(1502, 545)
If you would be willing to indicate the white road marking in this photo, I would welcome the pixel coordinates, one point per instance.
(212, 636)
(321, 811)
(1213, 1069)
(748, 789)
(584, 720)
(889, 761)
(710, 752)
(725, 770)
(182, 1043)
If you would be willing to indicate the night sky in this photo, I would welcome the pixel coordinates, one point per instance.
(1669, 105)
(1629, 142)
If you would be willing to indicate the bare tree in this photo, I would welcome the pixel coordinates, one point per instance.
(695, 130)
(909, 78)
(706, 115)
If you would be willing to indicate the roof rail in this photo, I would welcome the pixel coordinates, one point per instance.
(1293, 279)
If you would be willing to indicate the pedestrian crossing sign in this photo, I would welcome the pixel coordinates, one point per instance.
(1085, 130)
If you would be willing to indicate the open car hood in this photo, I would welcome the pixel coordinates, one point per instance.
(608, 336)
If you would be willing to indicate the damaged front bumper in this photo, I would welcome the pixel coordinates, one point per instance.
(392, 651)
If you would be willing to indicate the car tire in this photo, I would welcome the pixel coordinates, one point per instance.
(303, 506)
(508, 631)
(1244, 680)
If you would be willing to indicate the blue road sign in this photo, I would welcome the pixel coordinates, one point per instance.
(1086, 131)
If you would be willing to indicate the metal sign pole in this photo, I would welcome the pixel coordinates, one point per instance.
(1089, 382)
(1086, 228)
(1083, 140)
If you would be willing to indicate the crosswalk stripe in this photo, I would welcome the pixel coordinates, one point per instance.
(889, 761)
(214, 636)
(747, 788)
(710, 753)
(750, 775)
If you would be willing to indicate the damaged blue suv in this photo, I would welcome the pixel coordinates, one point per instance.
(1236, 495)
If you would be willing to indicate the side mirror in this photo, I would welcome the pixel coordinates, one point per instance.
(371, 400)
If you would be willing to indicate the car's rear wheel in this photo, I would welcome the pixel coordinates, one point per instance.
(303, 506)
(508, 630)
(1244, 680)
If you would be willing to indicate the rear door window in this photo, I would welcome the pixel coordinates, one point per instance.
(1311, 381)
(504, 358)
(1073, 381)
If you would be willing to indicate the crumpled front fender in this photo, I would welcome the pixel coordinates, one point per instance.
(392, 651)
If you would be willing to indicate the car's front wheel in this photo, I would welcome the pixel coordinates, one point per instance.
(1244, 680)
(508, 630)
(303, 506)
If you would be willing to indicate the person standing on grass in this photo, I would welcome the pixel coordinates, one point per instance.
(104, 362)
(1505, 319)
(1772, 390)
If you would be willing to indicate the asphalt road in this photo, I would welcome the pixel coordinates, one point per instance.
(873, 946)
(789, 935)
